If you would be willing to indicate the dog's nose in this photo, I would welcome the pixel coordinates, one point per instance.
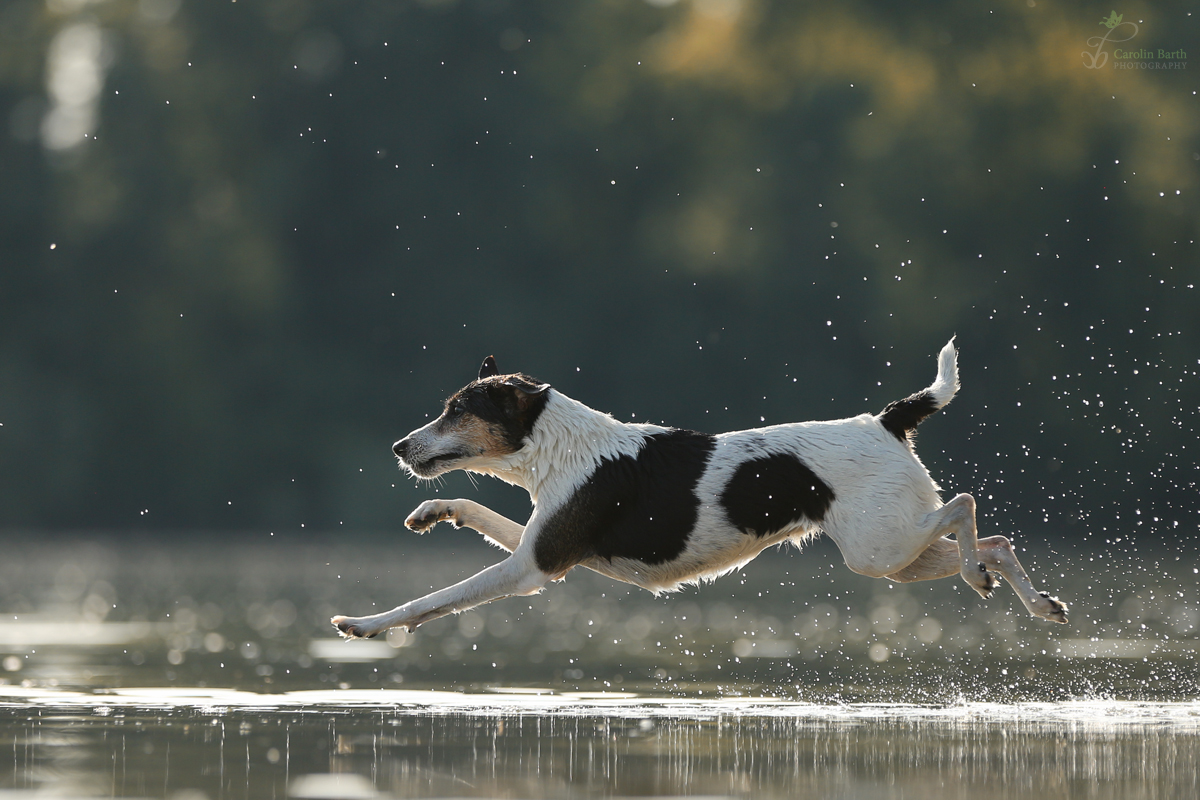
(400, 448)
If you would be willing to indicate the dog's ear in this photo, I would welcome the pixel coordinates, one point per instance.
(488, 368)
(527, 392)
(528, 387)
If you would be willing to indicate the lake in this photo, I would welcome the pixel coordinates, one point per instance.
(204, 667)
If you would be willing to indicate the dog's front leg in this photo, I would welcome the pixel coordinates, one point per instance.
(497, 529)
(515, 575)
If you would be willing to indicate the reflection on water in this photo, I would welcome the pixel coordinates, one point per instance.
(155, 670)
(348, 743)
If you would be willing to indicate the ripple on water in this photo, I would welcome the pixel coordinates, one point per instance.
(1095, 713)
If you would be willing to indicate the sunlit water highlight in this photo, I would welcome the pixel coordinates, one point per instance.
(531, 743)
(198, 670)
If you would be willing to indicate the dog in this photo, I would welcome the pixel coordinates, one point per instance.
(660, 507)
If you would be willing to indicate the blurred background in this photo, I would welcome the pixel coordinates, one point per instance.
(245, 246)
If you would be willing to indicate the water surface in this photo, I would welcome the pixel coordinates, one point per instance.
(205, 668)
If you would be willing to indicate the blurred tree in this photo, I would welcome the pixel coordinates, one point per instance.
(246, 245)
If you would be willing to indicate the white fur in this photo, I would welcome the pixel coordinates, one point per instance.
(887, 517)
(568, 442)
(945, 386)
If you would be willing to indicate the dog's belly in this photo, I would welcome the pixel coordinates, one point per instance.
(709, 555)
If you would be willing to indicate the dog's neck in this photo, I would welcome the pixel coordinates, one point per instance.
(568, 441)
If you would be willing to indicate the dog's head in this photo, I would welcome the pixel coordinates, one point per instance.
(481, 424)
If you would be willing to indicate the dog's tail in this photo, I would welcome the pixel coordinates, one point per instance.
(902, 417)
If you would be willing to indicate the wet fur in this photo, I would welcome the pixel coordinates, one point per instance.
(660, 507)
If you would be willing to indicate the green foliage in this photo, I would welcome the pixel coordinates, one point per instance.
(296, 226)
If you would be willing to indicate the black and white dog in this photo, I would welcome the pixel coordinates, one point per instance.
(659, 507)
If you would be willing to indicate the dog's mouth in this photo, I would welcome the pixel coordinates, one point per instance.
(434, 466)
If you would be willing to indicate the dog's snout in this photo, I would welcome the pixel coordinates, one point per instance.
(400, 448)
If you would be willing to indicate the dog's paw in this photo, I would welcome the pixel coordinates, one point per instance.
(430, 513)
(351, 628)
(983, 581)
(991, 579)
(1052, 609)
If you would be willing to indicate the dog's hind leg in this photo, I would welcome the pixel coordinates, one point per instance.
(958, 517)
(997, 553)
(945, 557)
(497, 529)
(940, 560)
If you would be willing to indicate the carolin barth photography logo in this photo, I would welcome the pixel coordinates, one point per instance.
(1117, 32)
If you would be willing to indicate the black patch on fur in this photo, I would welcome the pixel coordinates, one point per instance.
(510, 405)
(642, 508)
(901, 417)
(772, 493)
